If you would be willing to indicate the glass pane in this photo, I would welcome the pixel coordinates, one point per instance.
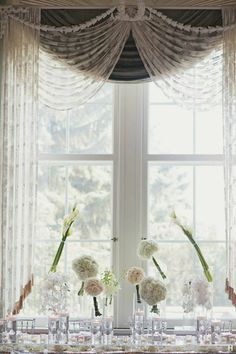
(170, 130)
(90, 185)
(174, 259)
(215, 254)
(50, 201)
(210, 217)
(169, 188)
(52, 130)
(209, 131)
(91, 129)
(101, 251)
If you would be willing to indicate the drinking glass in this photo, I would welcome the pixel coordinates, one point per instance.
(107, 330)
(53, 330)
(96, 332)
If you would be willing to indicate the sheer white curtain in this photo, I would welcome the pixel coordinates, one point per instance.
(229, 104)
(18, 160)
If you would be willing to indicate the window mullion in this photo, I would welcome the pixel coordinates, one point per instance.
(130, 185)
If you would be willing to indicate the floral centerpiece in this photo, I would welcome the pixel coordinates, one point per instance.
(84, 267)
(152, 291)
(134, 276)
(54, 293)
(146, 250)
(94, 287)
(111, 286)
(189, 234)
(66, 231)
(55, 288)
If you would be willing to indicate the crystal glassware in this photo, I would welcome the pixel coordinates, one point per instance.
(53, 329)
(96, 332)
(107, 330)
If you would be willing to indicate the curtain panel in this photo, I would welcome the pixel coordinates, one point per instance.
(18, 158)
(229, 111)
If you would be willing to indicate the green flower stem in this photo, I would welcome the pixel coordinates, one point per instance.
(189, 235)
(60, 249)
(159, 268)
(81, 290)
(96, 309)
(110, 302)
(155, 309)
(138, 295)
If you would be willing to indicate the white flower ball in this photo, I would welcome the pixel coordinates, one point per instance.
(152, 291)
(93, 286)
(85, 267)
(135, 275)
(146, 249)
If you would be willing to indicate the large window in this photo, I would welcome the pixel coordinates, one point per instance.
(128, 158)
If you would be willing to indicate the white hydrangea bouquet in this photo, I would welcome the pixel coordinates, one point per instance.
(152, 291)
(86, 269)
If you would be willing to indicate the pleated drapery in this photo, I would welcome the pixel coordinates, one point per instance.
(18, 158)
(229, 110)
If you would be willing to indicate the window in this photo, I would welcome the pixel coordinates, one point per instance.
(185, 173)
(128, 158)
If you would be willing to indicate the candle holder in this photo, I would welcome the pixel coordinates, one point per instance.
(96, 332)
(215, 331)
(107, 330)
(53, 329)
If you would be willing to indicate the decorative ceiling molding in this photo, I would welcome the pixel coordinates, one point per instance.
(214, 4)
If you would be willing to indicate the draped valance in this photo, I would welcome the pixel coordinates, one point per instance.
(129, 66)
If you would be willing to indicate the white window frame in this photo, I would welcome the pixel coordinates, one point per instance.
(130, 184)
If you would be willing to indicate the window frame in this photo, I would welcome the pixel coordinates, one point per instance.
(130, 184)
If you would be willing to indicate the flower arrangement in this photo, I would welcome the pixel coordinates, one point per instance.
(189, 234)
(94, 287)
(66, 231)
(202, 292)
(110, 284)
(152, 291)
(54, 292)
(146, 250)
(196, 292)
(135, 275)
(84, 267)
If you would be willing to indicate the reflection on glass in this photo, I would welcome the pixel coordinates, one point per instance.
(210, 218)
(52, 130)
(169, 188)
(50, 200)
(91, 186)
(91, 129)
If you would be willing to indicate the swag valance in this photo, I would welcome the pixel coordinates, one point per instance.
(75, 60)
(189, 63)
